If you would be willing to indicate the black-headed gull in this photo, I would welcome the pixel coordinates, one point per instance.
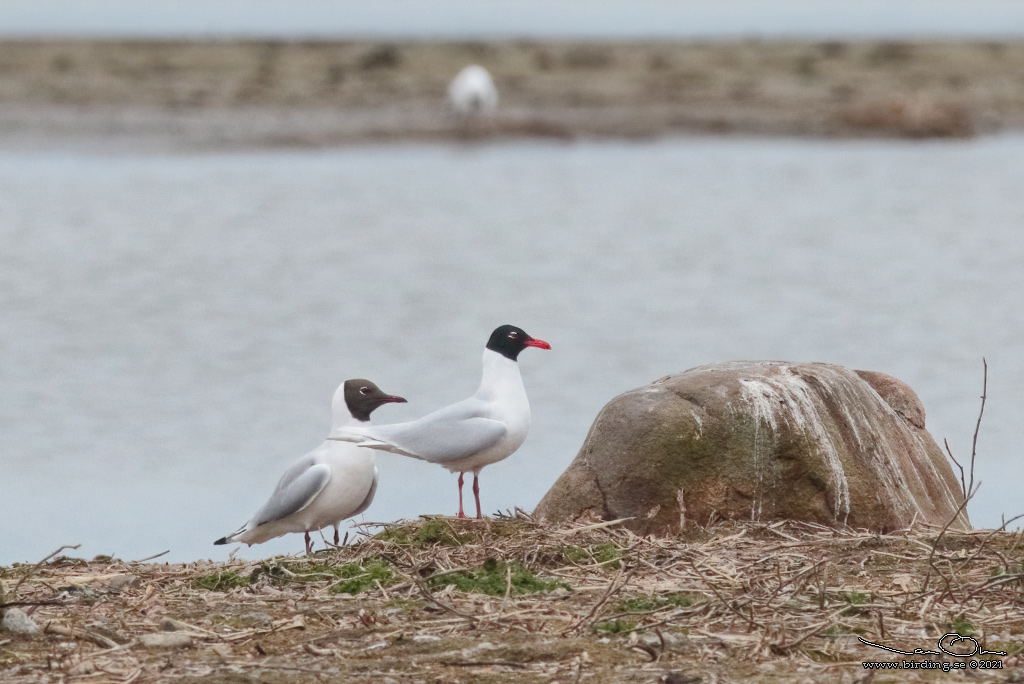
(486, 428)
(333, 482)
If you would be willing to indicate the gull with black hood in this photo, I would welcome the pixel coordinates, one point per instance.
(466, 436)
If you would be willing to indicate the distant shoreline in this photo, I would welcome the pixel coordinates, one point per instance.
(213, 94)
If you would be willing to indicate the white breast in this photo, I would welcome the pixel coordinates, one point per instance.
(503, 394)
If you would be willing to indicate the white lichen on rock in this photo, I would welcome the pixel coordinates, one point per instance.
(787, 397)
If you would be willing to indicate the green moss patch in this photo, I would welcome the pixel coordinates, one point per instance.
(962, 627)
(347, 578)
(440, 532)
(855, 598)
(428, 533)
(615, 626)
(224, 580)
(493, 577)
(357, 577)
(604, 554)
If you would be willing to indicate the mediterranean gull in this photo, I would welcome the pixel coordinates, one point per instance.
(466, 436)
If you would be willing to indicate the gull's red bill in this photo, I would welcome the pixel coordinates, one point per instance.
(540, 344)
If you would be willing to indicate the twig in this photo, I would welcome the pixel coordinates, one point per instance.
(695, 609)
(149, 558)
(284, 668)
(14, 591)
(806, 572)
(811, 631)
(963, 482)
(588, 528)
(579, 669)
(988, 537)
(714, 590)
(931, 555)
(613, 587)
(974, 444)
(484, 663)
(661, 638)
(427, 594)
(98, 639)
(508, 592)
(15, 604)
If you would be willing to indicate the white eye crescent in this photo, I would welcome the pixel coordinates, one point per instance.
(513, 335)
(364, 390)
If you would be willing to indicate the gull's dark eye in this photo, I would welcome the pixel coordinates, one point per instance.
(364, 390)
(513, 335)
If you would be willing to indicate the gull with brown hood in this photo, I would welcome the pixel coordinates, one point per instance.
(333, 482)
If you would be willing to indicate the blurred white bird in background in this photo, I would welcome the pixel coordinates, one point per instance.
(472, 92)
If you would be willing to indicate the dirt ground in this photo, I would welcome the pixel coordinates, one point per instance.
(229, 94)
(514, 600)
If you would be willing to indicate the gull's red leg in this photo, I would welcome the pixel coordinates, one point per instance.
(336, 537)
(461, 514)
(476, 493)
(309, 545)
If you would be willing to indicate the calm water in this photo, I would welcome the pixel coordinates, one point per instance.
(515, 18)
(174, 326)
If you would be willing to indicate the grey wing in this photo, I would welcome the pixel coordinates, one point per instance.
(296, 489)
(446, 435)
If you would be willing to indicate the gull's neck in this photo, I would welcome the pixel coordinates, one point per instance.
(341, 417)
(500, 377)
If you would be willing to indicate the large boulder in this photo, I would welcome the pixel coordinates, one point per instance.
(764, 441)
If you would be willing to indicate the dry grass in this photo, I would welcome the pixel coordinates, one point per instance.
(512, 599)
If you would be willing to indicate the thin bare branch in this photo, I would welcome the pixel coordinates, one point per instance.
(963, 481)
(942, 532)
(977, 427)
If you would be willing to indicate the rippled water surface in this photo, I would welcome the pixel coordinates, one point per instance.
(174, 326)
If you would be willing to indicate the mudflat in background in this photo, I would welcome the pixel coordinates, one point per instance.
(229, 94)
